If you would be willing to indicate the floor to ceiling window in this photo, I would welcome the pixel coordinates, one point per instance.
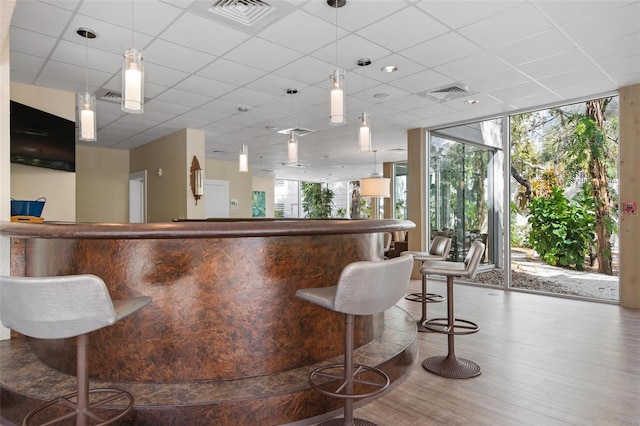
(564, 186)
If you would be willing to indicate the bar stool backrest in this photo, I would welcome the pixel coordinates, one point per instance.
(55, 307)
(472, 260)
(370, 287)
(440, 247)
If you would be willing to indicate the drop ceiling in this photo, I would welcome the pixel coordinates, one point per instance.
(202, 68)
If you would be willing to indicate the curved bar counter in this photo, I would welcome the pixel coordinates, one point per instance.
(224, 306)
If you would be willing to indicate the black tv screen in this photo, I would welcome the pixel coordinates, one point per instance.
(42, 139)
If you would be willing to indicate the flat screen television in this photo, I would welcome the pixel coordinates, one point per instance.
(41, 139)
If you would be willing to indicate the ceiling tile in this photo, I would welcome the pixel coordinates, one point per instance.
(181, 97)
(301, 31)
(513, 24)
(162, 75)
(356, 14)
(204, 86)
(165, 107)
(40, 17)
(611, 49)
(122, 12)
(203, 34)
(565, 11)
(247, 97)
(432, 54)
(403, 29)
(346, 48)
(31, 43)
(507, 94)
(462, 13)
(231, 72)
(175, 56)
(571, 79)
(482, 63)
(610, 25)
(555, 64)
(503, 78)
(308, 70)
(548, 43)
(262, 54)
(75, 54)
(275, 85)
(23, 62)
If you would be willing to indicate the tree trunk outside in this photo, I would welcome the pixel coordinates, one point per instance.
(600, 187)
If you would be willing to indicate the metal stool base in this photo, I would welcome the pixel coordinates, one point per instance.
(323, 372)
(340, 422)
(459, 326)
(430, 298)
(92, 418)
(451, 367)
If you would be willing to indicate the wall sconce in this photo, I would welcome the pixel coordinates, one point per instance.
(197, 179)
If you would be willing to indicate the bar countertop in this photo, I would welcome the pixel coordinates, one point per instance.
(216, 228)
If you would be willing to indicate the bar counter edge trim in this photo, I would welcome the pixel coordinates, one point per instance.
(225, 228)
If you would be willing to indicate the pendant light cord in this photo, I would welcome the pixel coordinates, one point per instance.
(86, 61)
(132, 44)
(336, 33)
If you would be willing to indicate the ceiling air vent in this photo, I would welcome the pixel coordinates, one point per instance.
(107, 95)
(246, 12)
(447, 93)
(299, 131)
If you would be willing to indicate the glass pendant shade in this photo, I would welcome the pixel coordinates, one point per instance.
(133, 82)
(377, 187)
(337, 115)
(87, 117)
(364, 132)
(292, 148)
(243, 161)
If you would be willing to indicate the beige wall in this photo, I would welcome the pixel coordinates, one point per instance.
(30, 183)
(58, 187)
(268, 186)
(630, 191)
(102, 184)
(239, 185)
(169, 195)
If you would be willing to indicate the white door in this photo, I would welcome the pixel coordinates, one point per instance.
(216, 195)
(138, 197)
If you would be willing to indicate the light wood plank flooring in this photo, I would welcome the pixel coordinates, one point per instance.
(545, 361)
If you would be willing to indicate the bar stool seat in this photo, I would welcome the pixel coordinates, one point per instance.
(451, 366)
(64, 307)
(439, 250)
(363, 288)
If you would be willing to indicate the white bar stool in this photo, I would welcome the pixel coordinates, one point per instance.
(451, 366)
(363, 288)
(63, 307)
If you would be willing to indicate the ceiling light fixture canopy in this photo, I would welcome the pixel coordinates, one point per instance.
(86, 102)
(337, 113)
(364, 132)
(132, 77)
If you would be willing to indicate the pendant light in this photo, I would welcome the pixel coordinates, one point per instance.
(337, 114)
(292, 141)
(86, 102)
(364, 132)
(292, 148)
(375, 186)
(132, 78)
(243, 159)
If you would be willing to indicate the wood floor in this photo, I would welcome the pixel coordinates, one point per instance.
(545, 361)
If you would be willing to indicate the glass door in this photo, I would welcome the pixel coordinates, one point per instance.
(461, 192)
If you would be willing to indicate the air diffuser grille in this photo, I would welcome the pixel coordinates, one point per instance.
(246, 12)
(447, 93)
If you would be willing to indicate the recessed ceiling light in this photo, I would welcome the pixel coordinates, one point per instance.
(380, 95)
(243, 109)
(471, 102)
(389, 68)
